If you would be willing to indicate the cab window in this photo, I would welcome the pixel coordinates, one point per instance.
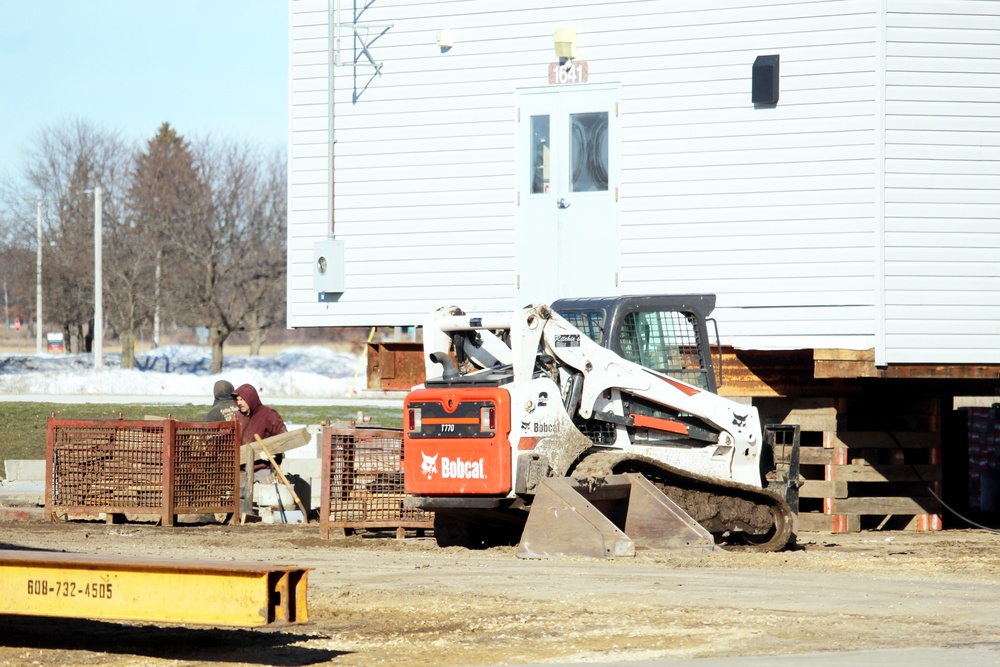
(665, 341)
(590, 322)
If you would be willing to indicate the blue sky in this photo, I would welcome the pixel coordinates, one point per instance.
(208, 67)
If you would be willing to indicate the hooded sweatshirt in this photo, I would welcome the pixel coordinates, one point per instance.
(223, 408)
(260, 420)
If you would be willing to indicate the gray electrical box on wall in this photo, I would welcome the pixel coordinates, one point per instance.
(328, 267)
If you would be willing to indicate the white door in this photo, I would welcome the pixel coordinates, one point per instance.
(567, 180)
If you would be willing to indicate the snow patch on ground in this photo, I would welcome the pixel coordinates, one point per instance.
(183, 370)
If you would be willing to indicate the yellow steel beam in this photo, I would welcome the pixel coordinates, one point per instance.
(36, 583)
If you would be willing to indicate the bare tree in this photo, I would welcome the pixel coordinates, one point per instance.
(229, 244)
(17, 258)
(129, 277)
(202, 225)
(66, 163)
(264, 284)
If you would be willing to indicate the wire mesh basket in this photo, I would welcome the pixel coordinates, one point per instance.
(363, 484)
(160, 467)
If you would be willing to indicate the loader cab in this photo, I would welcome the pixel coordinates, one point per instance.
(666, 333)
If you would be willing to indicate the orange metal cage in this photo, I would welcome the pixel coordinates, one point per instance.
(363, 482)
(159, 467)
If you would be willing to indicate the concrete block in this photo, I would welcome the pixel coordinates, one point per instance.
(303, 467)
(276, 495)
(311, 449)
(22, 494)
(24, 470)
(271, 515)
(311, 471)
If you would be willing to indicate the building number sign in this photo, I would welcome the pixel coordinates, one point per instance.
(574, 71)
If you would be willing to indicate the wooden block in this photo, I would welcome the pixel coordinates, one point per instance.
(823, 489)
(798, 404)
(844, 363)
(277, 444)
(882, 506)
(824, 354)
(818, 420)
(395, 498)
(815, 456)
(886, 440)
(811, 414)
(887, 473)
(822, 523)
(892, 422)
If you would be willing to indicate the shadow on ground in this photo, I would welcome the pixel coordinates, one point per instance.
(263, 647)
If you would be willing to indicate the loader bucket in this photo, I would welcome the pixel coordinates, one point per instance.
(606, 517)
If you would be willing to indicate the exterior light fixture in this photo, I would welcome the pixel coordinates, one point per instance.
(565, 44)
(446, 40)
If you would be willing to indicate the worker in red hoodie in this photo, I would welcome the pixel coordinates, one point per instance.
(254, 417)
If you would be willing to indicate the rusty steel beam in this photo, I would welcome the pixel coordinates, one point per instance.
(37, 583)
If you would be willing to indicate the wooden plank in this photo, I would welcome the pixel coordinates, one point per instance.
(889, 505)
(844, 355)
(845, 369)
(890, 421)
(823, 489)
(815, 456)
(887, 473)
(815, 421)
(767, 373)
(815, 522)
(886, 439)
(844, 363)
(798, 404)
(842, 368)
(811, 414)
(277, 444)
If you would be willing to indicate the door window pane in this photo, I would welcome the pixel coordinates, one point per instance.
(539, 155)
(589, 152)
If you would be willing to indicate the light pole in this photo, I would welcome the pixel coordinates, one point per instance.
(98, 282)
(38, 282)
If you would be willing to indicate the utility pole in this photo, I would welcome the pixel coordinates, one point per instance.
(98, 282)
(38, 281)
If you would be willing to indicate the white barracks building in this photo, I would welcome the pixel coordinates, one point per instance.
(855, 208)
(830, 169)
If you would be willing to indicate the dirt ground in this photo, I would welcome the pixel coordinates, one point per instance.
(376, 600)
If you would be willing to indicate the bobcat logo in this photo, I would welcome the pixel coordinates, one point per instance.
(429, 466)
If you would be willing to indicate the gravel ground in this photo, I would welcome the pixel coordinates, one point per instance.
(376, 600)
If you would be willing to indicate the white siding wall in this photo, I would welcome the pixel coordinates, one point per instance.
(308, 152)
(772, 209)
(942, 199)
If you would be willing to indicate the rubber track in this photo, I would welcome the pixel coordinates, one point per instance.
(715, 503)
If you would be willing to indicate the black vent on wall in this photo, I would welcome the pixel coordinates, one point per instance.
(765, 80)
